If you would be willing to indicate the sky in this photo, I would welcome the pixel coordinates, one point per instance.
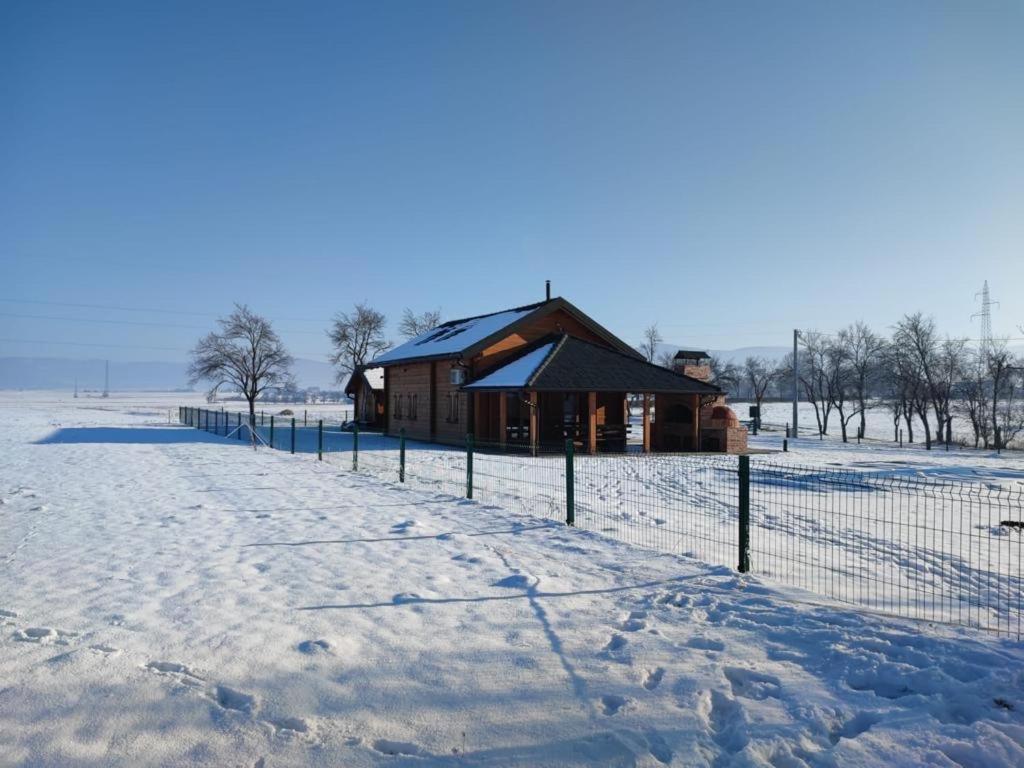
(730, 171)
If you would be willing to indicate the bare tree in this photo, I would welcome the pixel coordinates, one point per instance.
(725, 374)
(357, 338)
(972, 400)
(1007, 410)
(814, 376)
(649, 347)
(667, 360)
(760, 374)
(863, 350)
(245, 354)
(412, 325)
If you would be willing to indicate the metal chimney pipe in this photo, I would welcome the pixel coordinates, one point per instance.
(547, 289)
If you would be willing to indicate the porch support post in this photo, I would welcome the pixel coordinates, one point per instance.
(696, 422)
(534, 423)
(474, 420)
(591, 422)
(502, 419)
(647, 423)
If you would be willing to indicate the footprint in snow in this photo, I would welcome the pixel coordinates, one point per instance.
(653, 677)
(406, 597)
(312, 647)
(611, 704)
(752, 685)
(616, 643)
(634, 622)
(229, 698)
(705, 644)
(43, 636)
(290, 725)
(517, 581)
(391, 747)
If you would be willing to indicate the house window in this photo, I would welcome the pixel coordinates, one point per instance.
(452, 416)
(398, 406)
(413, 407)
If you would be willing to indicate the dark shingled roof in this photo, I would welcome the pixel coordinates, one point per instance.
(575, 365)
(691, 354)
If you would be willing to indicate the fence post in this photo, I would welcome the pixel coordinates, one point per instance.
(570, 484)
(785, 445)
(355, 447)
(239, 427)
(744, 500)
(401, 455)
(320, 440)
(901, 438)
(305, 417)
(271, 430)
(469, 466)
(293, 435)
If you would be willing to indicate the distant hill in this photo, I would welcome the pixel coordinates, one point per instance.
(61, 373)
(735, 355)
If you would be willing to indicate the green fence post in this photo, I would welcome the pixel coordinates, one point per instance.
(355, 447)
(401, 455)
(263, 418)
(469, 466)
(570, 484)
(271, 430)
(320, 440)
(744, 500)
(239, 429)
(293, 435)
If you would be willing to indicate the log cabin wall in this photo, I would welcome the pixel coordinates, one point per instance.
(449, 428)
(409, 394)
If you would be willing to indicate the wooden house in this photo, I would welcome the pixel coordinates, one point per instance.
(366, 387)
(532, 377)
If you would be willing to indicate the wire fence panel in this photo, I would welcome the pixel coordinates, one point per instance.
(921, 548)
(680, 504)
(939, 551)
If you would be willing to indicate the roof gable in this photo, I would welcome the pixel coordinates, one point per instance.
(566, 363)
(468, 336)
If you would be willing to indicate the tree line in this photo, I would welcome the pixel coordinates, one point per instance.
(920, 378)
(246, 355)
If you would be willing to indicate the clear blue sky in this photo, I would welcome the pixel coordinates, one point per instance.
(729, 170)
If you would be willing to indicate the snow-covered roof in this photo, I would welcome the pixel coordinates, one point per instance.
(517, 373)
(374, 377)
(453, 337)
(561, 362)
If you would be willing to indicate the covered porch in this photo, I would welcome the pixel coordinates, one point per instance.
(596, 422)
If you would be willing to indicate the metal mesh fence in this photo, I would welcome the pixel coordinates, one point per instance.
(918, 548)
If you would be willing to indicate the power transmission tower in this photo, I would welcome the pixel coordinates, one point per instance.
(986, 320)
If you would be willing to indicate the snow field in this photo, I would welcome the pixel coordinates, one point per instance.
(173, 598)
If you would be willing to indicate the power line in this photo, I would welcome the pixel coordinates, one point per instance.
(144, 309)
(128, 322)
(307, 355)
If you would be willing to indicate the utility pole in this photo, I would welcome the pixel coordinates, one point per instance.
(76, 388)
(796, 384)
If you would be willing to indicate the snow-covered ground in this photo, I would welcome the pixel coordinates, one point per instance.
(169, 597)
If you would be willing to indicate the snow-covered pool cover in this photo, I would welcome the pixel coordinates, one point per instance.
(517, 373)
(454, 337)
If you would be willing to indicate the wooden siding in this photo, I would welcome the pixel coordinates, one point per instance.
(406, 381)
(556, 322)
(444, 430)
